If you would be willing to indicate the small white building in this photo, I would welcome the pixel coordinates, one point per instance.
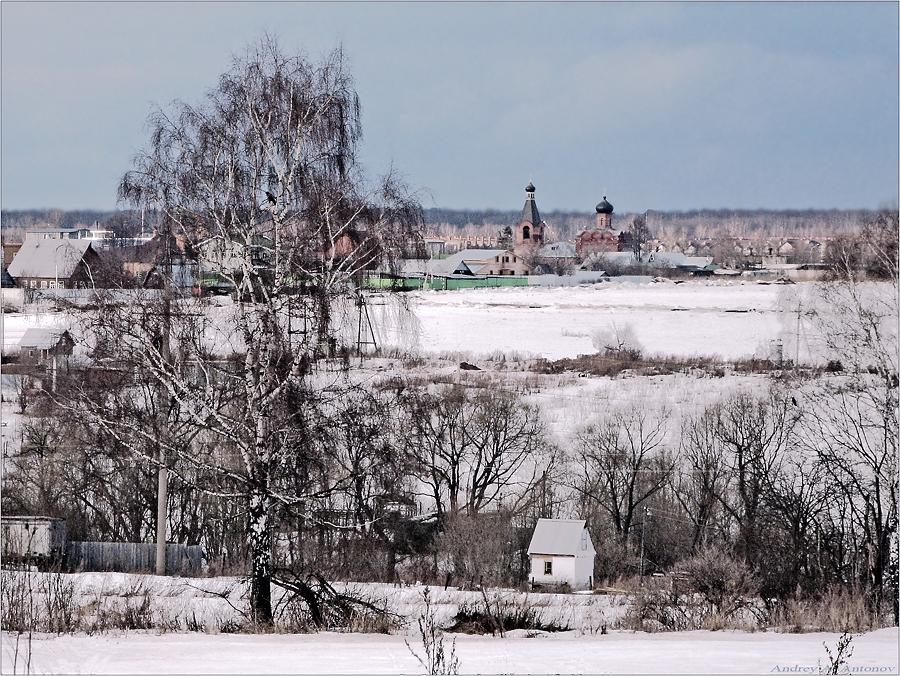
(561, 552)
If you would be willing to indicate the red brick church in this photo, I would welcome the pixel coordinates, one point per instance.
(602, 238)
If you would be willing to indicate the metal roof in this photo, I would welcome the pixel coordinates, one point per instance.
(49, 258)
(557, 250)
(604, 207)
(42, 339)
(560, 537)
(530, 212)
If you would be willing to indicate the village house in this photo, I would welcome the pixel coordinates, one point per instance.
(555, 258)
(561, 553)
(470, 262)
(41, 346)
(48, 263)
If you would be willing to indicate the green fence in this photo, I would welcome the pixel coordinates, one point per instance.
(442, 283)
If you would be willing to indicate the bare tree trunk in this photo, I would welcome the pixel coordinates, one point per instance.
(259, 538)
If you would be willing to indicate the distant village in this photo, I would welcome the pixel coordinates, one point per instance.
(90, 257)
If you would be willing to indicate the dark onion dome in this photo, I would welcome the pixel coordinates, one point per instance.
(604, 207)
(529, 187)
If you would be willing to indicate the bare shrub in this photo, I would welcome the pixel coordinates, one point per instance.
(499, 613)
(617, 341)
(838, 609)
(478, 547)
(311, 603)
(436, 658)
(838, 661)
(39, 602)
(712, 591)
(726, 585)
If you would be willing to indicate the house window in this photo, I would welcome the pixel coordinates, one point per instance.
(584, 537)
(43, 283)
(548, 567)
(526, 232)
(52, 285)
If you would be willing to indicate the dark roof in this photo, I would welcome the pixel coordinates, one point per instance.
(530, 211)
(6, 281)
(604, 207)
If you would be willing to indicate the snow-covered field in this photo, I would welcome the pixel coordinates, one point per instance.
(727, 319)
(695, 652)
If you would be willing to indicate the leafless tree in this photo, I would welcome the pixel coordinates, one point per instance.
(701, 477)
(622, 461)
(262, 176)
(477, 451)
(755, 433)
(853, 432)
(640, 233)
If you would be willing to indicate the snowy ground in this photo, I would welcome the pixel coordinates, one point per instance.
(581, 650)
(729, 320)
(618, 652)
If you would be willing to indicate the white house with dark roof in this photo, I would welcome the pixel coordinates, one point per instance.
(561, 552)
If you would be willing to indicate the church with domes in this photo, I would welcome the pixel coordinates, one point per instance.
(602, 238)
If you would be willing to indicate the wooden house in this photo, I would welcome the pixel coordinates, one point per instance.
(54, 264)
(41, 346)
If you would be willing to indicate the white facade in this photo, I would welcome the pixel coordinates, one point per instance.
(561, 552)
(26, 537)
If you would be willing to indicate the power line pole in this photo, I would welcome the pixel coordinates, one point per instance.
(643, 528)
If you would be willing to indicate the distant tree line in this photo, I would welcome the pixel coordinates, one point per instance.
(667, 225)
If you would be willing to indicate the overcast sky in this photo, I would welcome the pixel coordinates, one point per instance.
(659, 106)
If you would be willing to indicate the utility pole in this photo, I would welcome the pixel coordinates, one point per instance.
(797, 346)
(643, 528)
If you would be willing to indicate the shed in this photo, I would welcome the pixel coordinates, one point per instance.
(561, 552)
(38, 539)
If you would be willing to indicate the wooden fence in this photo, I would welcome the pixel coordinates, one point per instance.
(131, 557)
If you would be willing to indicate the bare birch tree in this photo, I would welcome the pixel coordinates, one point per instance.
(261, 178)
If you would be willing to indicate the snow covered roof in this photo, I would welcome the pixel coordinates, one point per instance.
(41, 339)
(49, 258)
(557, 250)
(672, 259)
(561, 537)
